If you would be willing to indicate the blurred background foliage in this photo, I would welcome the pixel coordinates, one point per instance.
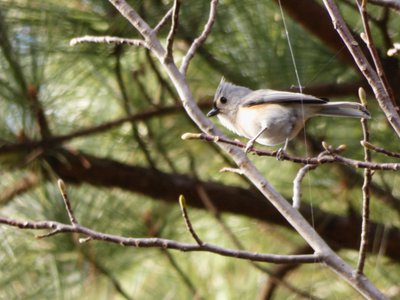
(89, 84)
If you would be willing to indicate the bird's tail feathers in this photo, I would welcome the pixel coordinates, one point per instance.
(344, 109)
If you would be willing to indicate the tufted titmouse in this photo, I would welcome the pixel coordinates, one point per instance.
(273, 117)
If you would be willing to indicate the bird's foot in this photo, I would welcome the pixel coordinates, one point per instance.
(249, 146)
(280, 154)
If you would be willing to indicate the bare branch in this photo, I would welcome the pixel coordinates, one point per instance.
(361, 283)
(158, 242)
(297, 184)
(68, 207)
(232, 170)
(380, 149)
(168, 58)
(327, 158)
(182, 204)
(369, 73)
(201, 39)
(49, 234)
(108, 40)
(163, 21)
(367, 38)
(366, 194)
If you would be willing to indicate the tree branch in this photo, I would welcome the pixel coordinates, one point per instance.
(297, 184)
(106, 173)
(369, 73)
(168, 58)
(198, 42)
(380, 149)
(366, 193)
(108, 40)
(67, 203)
(361, 283)
(367, 38)
(326, 158)
(182, 204)
(57, 228)
(163, 21)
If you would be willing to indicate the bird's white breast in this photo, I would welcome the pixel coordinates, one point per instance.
(278, 120)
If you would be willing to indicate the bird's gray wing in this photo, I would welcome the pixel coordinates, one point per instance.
(277, 97)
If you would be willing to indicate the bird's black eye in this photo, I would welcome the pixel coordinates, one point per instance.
(223, 100)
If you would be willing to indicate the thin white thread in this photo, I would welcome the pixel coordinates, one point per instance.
(302, 107)
(291, 49)
(302, 104)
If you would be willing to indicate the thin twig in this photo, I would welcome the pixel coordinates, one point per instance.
(201, 39)
(50, 233)
(159, 242)
(232, 170)
(294, 218)
(366, 69)
(163, 21)
(168, 58)
(108, 40)
(297, 184)
(367, 38)
(380, 149)
(327, 158)
(366, 195)
(182, 204)
(68, 207)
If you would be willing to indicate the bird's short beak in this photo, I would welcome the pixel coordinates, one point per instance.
(214, 111)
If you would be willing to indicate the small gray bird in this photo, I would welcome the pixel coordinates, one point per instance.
(273, 117)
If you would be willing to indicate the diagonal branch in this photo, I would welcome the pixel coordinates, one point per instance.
(299, 223)
(201, 39)
(168, 58)
(367, 38)
(369, 73)
(163, 21)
